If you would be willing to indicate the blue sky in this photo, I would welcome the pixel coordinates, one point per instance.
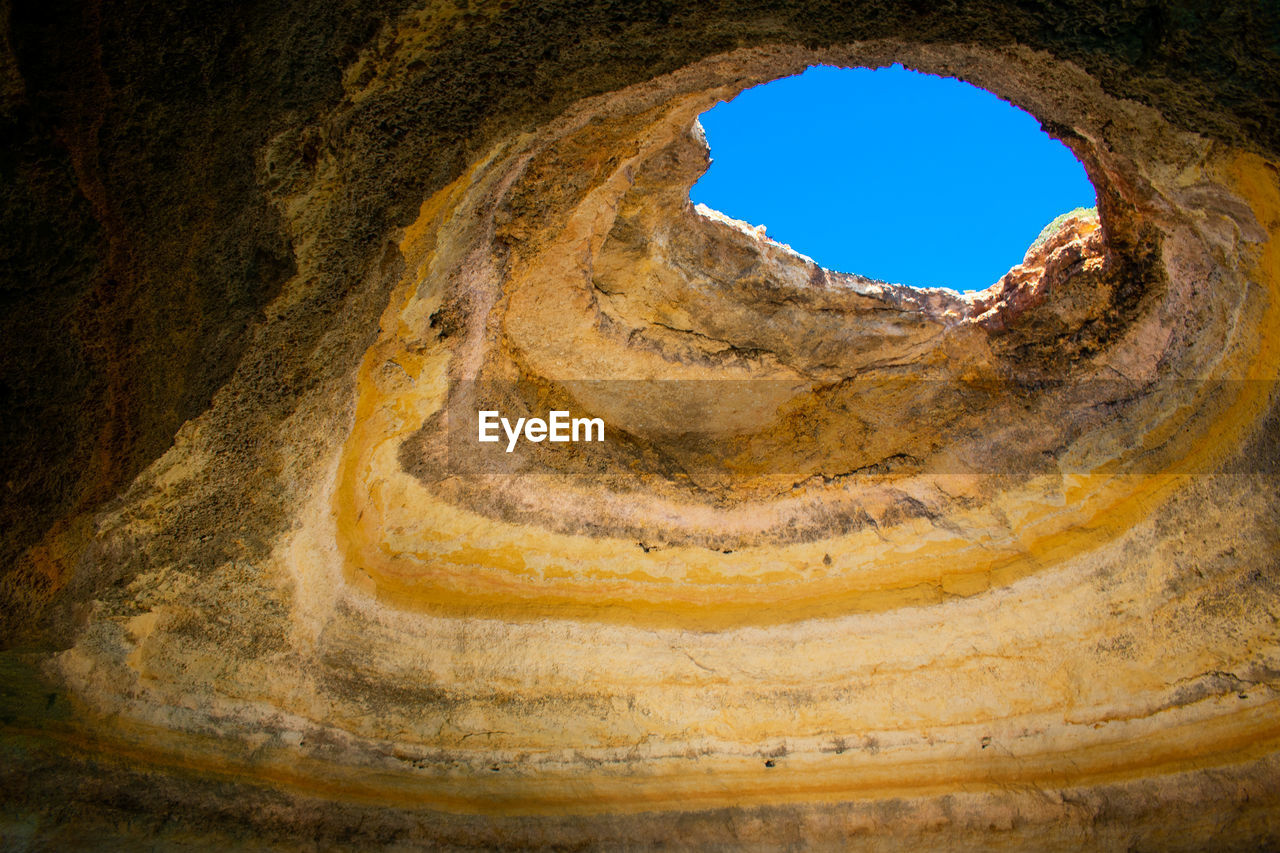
(890, 173)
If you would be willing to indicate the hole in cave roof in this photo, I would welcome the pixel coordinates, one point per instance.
(890, 173)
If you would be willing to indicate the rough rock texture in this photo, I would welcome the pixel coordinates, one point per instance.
(864, 565)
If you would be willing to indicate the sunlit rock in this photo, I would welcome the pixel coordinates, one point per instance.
(855, 560)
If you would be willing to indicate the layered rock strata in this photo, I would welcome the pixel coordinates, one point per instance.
(858, 560)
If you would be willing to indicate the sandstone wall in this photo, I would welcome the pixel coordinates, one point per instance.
(874, 566)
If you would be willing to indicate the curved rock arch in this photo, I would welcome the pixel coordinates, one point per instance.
(1014, 619)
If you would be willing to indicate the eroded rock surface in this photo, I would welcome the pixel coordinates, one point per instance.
(859, 561)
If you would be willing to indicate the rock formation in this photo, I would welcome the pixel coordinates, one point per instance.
(860, 564)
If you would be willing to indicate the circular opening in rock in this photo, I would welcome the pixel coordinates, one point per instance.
(890, 174)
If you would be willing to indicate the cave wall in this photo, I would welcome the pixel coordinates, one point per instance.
(217, 222)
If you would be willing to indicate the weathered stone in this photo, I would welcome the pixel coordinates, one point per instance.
(862, 561)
